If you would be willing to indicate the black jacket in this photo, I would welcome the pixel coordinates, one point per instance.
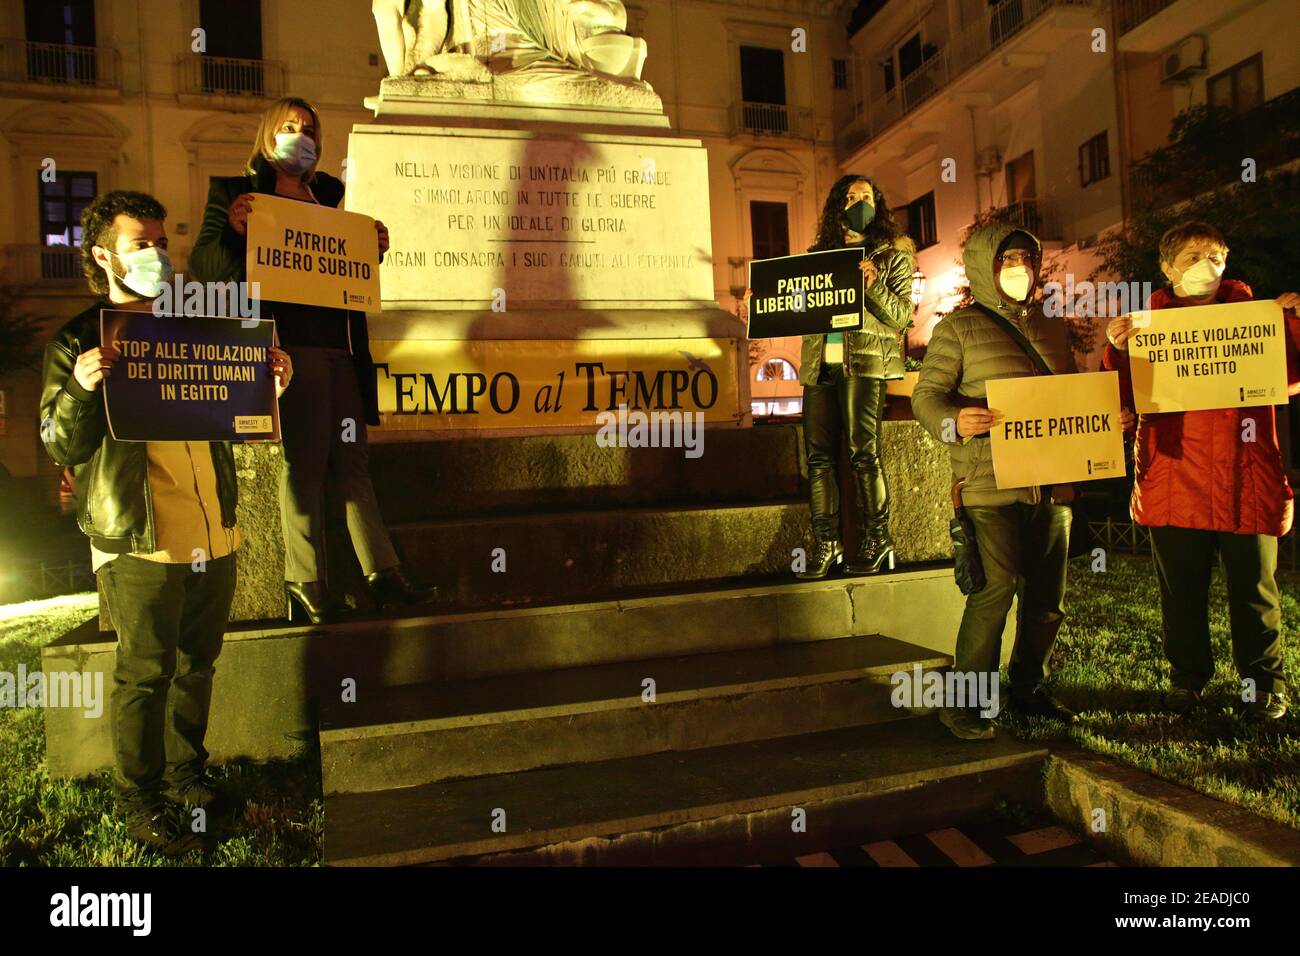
(219, 256)
(875, 350)
(114, 506)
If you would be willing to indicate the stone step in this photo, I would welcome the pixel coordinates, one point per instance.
(426, 480)
(717, 804)
(421, 733)
(573, 556)
(270, 675)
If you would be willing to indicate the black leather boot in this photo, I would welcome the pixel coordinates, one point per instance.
(875, 546)
(310, 601)
(392, 588)
(824, 555)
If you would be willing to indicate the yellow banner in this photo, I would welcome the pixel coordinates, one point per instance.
(444, 384)
(312, 255)
(1231, 355)
(1056, 429)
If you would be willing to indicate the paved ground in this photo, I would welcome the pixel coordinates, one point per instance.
(996, 843)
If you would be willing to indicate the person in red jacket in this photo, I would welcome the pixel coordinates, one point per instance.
(1208, 482)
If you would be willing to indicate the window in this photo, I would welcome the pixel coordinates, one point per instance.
(1239, 87)
(53, 27)
(1094, 159)
(909, 56)
(1020, 178)
(762, 75)
(769, 224)
(840, 73)
(233, 46)
(61, 205)
(920, 221)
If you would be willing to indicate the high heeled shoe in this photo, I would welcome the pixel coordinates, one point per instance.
(393, 588)
(310, 600)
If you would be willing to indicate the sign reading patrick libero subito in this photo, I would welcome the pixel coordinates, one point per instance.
(1230, 355)
(188, 378)
(478, 216)
(312, 255)
(808, 294)
(450, 385)
(1055, 429)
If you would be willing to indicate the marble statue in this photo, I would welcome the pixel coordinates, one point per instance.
(478, 39)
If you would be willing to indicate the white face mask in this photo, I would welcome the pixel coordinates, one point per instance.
(1199, 280)
(295, 152)
(1016, 281)
(147, 271)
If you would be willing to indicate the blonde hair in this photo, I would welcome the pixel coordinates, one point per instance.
(272, 120)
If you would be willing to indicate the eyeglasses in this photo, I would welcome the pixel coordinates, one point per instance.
(1017, 257)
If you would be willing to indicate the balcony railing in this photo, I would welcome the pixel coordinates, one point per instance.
(231, 76)
(1133, 12)
(62, 64)
(772, 119)
(967, 48)
(35, 263)
(1039, 216)
(1208, 154)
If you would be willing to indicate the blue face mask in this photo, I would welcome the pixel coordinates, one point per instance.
(295, 152)
(147, 271)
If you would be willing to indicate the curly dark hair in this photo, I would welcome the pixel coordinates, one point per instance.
(97, 228)
(830, 228)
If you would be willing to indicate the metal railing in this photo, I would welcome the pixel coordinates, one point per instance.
(1209, 154)
(64, 64)
(46, 580)
(1133, 12)
(967, 48)
(771, 119)
(37, 263)
(1039, 216)
(1125, 536)
(201, 74)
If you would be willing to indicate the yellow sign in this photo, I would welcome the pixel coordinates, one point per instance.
(451, 385)
(1231, 355)
(313, 255)
(1055, 429)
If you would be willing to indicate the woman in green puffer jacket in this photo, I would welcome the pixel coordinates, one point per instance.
(844, 376)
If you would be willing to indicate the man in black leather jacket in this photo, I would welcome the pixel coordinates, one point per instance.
(161, 521)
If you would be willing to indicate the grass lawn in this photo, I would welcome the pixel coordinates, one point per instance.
(1108, 663)
(1109, 666)
(46, 822)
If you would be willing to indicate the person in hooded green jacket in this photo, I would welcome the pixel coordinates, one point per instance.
(844, 376)
(1022, 534)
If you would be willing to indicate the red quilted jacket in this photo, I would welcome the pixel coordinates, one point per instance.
(1192, 469)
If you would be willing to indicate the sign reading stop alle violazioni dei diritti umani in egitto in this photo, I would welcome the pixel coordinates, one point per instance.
(1230, 355)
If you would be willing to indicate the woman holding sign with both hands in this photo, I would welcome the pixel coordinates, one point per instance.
(844, 376)
(1208, 482)
(334, 383)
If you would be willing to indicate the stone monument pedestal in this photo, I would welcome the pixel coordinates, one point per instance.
(551, 258)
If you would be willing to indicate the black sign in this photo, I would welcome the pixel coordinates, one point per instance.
(810, 294)
(189, 378)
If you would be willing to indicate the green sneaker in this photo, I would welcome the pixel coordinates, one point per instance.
(1268, 707)
(160, 827)
(1183, 700)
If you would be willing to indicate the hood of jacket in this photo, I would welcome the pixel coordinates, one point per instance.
(977, 255)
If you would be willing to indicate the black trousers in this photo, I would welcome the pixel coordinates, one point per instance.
(1185, 561)
(840, 403)
(170, 621)
(1024, 549)
(323, 423)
